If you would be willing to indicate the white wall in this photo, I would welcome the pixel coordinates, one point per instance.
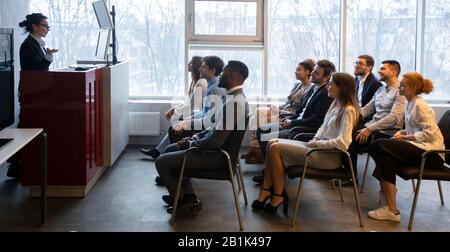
(162, 107)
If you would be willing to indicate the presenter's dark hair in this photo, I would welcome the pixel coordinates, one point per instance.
(32, 19)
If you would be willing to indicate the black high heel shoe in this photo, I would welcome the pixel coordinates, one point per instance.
(258, 205)
(273, 209)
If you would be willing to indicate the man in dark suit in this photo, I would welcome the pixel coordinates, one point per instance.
(366, 82)
(225, 134)
(310, 117)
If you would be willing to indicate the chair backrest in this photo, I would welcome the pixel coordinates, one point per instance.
(234, 142)
(444, 126)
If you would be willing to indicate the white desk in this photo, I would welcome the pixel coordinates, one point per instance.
(21, 137)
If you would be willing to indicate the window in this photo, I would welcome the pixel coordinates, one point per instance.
(158, 37)
(74, 34)
(230, 30)
(436, 58)
(299, 30)
(252, 57)
(384, 29)
(225, 20)
(155, 52)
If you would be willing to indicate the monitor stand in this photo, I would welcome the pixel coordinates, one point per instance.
(4, 141)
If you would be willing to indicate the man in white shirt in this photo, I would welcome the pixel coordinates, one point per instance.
(386, 108)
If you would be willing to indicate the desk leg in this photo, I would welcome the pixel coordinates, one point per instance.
(44, 179)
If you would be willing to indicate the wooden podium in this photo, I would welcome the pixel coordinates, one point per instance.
(67, 104)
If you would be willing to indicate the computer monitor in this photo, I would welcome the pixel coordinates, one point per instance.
(6, 78)
(102, 14)
(101, 52)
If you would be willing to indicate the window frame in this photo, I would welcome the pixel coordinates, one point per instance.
(193, 37)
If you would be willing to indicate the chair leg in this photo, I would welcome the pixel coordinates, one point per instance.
(340, 190)
(441, 193)
(242, 182)
(355, 191)
(299, 193)
(413, 185)
(413, 209)
(238, 179)
(365, 174)
(177, 194)
(236, 197)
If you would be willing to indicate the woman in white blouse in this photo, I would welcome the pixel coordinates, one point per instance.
(406, 147)
(197, 91)
(335, 133)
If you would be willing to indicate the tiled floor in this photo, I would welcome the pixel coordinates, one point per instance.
(127, 199)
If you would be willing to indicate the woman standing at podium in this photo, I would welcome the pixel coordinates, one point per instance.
(34, 56)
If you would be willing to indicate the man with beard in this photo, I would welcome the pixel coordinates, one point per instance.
(230, 121)
(309, 118)
(210, 70)
(386, 108)
(366, 82)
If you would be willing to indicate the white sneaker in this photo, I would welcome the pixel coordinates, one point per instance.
(385, 214)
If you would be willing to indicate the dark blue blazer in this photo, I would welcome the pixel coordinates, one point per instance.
(32, 57)
(371, 86)
(315, 110)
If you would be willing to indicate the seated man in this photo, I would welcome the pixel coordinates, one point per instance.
(366, 82)
(311, 116)
(220, 136)
(295, 102)
(210, 69)
(386, 108)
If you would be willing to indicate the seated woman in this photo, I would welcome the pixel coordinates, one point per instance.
(335, 133)
(406, 147)
(197, 91)
(294, 102)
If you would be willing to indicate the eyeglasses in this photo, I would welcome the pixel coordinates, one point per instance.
(46, 26)
(359, 63)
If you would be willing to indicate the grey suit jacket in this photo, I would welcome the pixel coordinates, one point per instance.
(230, 128)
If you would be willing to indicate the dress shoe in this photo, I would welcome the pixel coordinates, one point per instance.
(158, 181)
(259, 205)
(188, 198)
(269, 208)
(259, 179)
(192, 205)
(154, 153)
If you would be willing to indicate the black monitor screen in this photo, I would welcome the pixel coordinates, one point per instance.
(6, 78)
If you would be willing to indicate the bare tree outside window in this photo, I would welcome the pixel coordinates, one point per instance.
(436, 64)
(299, 30)
(385, 29)
(151, 37)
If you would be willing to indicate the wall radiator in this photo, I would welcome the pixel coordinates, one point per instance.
(144, 123)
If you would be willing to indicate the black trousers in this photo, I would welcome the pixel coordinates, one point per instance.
(356, 148)
(169, 165)
(390, 155)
